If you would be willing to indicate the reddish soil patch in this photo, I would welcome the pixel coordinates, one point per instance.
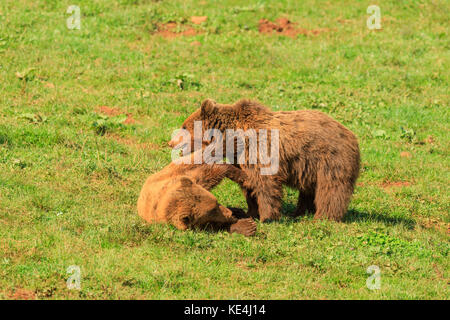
(22, 294)
(129, 119)
(433, 223)
(170, 30)
(115, 112)
(120, 139)
(397, 184)
(344, 21)
(132, 142)
(388, 185)
(285, 27)
(109, 111)
(430, 140)
(405, 154)
(198, 20)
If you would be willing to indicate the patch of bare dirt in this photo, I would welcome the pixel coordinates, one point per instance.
(129, 119)
(287, 28)
(22, 294)
(438, 272)
(109, 111)
(132, 142)
(121, 140)
(433, 223)
(49, 85)
(172, 30)
(112, 112)
(344, 21)
(385, 185)
(405, 154)
(360, 184)
(396, 184)
(198, 20)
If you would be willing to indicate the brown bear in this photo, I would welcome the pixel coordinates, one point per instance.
(179, 195)
(317, 155)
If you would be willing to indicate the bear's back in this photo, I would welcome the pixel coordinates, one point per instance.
(316, 140)
(315, 125)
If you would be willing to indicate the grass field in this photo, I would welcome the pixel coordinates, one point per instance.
(70, 174)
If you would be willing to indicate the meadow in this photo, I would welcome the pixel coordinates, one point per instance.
(86, 114)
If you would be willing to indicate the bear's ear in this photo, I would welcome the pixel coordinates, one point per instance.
(249, 107)
(208, 108)
(186, 182)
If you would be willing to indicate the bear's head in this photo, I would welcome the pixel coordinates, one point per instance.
(212, 115)
(187, 205)
(187, 135)
(187, 127)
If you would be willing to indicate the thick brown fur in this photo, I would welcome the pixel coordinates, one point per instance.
(179, 195)
(317, 155)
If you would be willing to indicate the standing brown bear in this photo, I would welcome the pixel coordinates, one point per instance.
(317, 155)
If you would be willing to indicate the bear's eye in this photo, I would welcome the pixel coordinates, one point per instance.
(185, 220)
(183, 127)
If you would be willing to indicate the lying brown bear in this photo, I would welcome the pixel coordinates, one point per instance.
(179, 195)
(317, 155)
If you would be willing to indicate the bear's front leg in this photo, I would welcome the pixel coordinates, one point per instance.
(252, 203)
(268, 192)
(240, 177)
(238, 222)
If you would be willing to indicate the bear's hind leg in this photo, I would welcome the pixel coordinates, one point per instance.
(305, 203)
(332, 200)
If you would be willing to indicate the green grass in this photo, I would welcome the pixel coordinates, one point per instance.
(70, 178)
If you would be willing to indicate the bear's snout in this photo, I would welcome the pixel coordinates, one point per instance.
(171, 143)
(175, 141)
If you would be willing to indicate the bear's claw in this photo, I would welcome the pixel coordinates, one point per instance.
(246, 227)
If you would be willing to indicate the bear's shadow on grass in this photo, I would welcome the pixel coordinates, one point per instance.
(362, 216)
(355, 216)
